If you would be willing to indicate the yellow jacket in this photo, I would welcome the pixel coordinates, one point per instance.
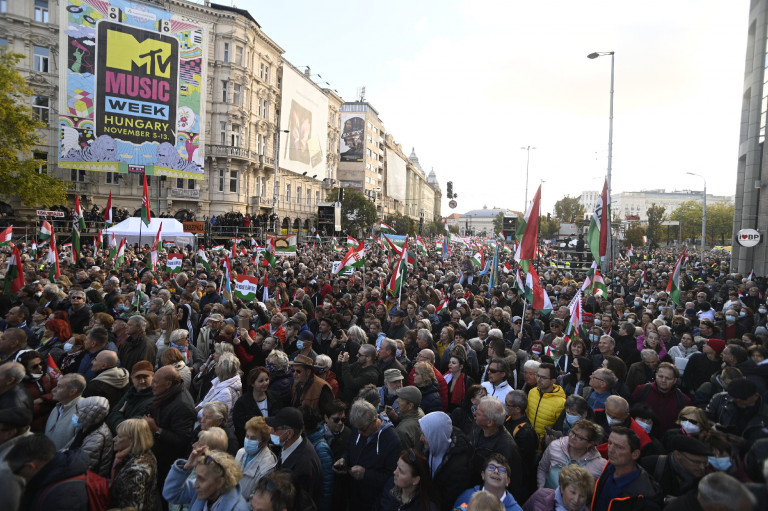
(544, 409)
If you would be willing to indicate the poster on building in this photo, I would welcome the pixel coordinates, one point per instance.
(396, 176)
(304, 115)
(352, 136)
(285, 244)
(131, 90)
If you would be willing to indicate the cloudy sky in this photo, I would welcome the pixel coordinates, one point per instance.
(470, 82)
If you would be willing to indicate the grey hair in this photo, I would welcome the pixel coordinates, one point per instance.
(484, 325)
(228, 366)
(323, 361)
(494, 410)
(495, 333)
(518, 399)
(611, 339)
(370, 393)
(532, 364)
(140, 322)
(16, 371)
(649, 354)
(51, 289)
(720, 489)
(73, 381)
(424, 334)
(157, 301)
(356, 333)
(578, 404)
(665, 328)
(179, 333)
(607, 375)
(362, 414)
(223, 347)
(219, 410)
(280, 358)
(164, 292)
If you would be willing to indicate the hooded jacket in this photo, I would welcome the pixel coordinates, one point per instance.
(227, 391)
(544, 408)
(378, 454)
(449, 458)
(110, 383)
(94, 437)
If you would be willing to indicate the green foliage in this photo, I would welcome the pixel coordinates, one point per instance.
(498, 222)
(634, 235)
(358, 214)
(719, 221)
(18, 171)
(402, 224)
(453, 229)
(654, 231)
(568, 209)
(434, 228)
(548, 228)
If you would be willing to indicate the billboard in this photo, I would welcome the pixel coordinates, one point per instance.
(131, 90)
(395, 176)
(352, 137)
(304, 114)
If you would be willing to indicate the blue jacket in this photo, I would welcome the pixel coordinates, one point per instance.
(510, 504)
(323, 450)
(179, 490)
(378, 454)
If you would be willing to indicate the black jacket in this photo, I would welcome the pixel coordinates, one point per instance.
(453, 475)
(175, 415)
(306, 472)
(135, 350)
(245, 408)
(378, 454)
(16, 397)
(503, 443)
(50, 487)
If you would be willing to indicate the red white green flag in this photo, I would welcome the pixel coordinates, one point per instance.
(245, 287)
(421, 247)
(399, 272)
(355, 258)
(203, 259)
(5, 236)
(146, 215)
(269, 254)
(14, 275)
(673, 286)
(599, 226)
(97, 242)
(528, 230)
(120, 254)
(155, 248)
(53, 259)
(79, 217)
(352, 242)
(108, 211)
(386, 228)
(45, 232)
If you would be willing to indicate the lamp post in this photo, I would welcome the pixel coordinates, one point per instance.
(703, 214)
(276, 192)
(609, 247)
(527, 163)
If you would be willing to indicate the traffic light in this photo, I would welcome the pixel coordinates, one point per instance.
(449, 189)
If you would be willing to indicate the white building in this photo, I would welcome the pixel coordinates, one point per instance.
(633, 206)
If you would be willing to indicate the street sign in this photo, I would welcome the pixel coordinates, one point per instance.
(452, 204)
(57, 214)
(748, 237)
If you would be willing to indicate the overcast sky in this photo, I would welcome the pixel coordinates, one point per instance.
(468, 83)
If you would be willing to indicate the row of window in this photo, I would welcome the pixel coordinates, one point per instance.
(264, 68)
(40, 12)
(233, 93)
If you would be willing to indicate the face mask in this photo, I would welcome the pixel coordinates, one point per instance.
(321, 370)
(730, 319)
(276, 439)
(299, 345)
(398, 353)
(626, 313)
(75, 422)
(557, 292)
(646, 427)
(594, 337)
(637, 304)
(68, 347)
(251, 446)
(742, 314)
(721, 464)
(631, 320)
(598, 322)
(611, 421)
(690, 427)
(571, 419)
(762, 310)
(36, 376)
(270, 367)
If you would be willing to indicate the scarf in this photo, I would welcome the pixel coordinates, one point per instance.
(166, 396)
(458, 390)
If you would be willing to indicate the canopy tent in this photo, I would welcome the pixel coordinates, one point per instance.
(134, 230)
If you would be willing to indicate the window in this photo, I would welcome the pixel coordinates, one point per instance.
(3, 40)
(233, 181)
(317, 197)
(226, 52)
(287, 194)
(41, 10)
(236, 93)
(309, 197)
(221, 180)
(191, 184)
(42, 167)
(239, 55)
(41, 59)
(263, 186)
(223, 132)
(3, 5)
(264, 72)
(235, 135)
(179, 183)
(298, 195)
(41, 107)
(77, 175)
(224, 90)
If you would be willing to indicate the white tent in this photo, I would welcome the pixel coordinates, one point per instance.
(134, 230)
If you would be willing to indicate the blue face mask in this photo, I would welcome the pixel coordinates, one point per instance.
(398, 353)
(270, 367)
(276, 439)
(75, 422)
(721, 464)
(646, 427)
(742, 314)
(251, 446)
(571, 419)
(68, 347)
(730, 319)
(637, 304)
(594, 337)
(299, 345)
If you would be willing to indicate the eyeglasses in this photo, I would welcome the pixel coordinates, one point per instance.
(77, 298)
(493, 371)
(496, 468)
(542, 377)
(336, 420)
(577, 436)
(596, 378)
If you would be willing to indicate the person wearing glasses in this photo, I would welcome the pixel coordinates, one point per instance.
(576, 448)
(546, 401)
(357, 375)
(79, 314)
(215, 486)
(496, 476)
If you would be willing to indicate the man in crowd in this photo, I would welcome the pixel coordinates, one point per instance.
(110, 381)
(137, 401)
(546, 400)
(67, 392)
(663, 396)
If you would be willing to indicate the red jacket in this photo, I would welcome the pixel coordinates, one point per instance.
(645, 438)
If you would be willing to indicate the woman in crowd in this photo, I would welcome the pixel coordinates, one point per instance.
(463, 416)
(280, 378)
(323, 370)
(215, 485)
(685, 349)
(456, 377)
(203, 380)
(168, 323)
(39, 384)
(226, 386)
(173, 357)
(73, 354)
(445, 340)
(133, 481)
(691, 421)
(576, 348)
(619, 368)
(496, 477)
(575, 381)
(424, 379)
(92, 435)
(411, 487)
(255, 458)
(575, 487)
(259, 402)
(54, 335)
(214, 414)
(578, 448)
(652, 341)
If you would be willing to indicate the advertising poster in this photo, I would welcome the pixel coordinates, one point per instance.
(304, 114)
(131, 90)
(285, 244)
(352, 136)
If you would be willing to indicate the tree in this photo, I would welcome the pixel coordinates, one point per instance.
(453, 229)
(19, 175)
(634, 235)
(498, 222)
(655, 216)
(402, 224)
(434, 228)
(689, 215)
(568, 209)
(358, 214)
(548, 227)
(720, 223)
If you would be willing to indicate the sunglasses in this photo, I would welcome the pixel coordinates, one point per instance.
(208, 459)
(336, 420)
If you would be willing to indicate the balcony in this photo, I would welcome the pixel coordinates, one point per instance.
(184, 193)
(229, 152)
(261, 202)
(79, 186)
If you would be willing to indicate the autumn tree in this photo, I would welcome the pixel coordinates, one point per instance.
(719, 220)
(358, 213)
(569, 209)
(498, 222)
(548, 227)
(634, 235)
(655, 216)
(19, 170)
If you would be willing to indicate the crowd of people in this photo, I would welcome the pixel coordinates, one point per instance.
(146, 389)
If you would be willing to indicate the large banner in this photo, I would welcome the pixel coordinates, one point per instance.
(131, 90)
(285, 244)
(304, 114)
(352, 136)
(395, 176)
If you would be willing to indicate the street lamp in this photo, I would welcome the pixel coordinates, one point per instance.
(703, 214)
(609, 247)
(527, 162)
(276, 193)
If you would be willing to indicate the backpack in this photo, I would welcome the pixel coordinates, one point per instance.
(96, 488)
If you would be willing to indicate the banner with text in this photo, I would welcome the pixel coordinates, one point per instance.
(173, 263)
(245, 287)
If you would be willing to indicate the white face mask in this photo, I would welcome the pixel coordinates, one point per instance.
(690, 427)
(645, 426)
(611, 421)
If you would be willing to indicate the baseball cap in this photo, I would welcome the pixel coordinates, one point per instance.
(410, 394)
(289, 416)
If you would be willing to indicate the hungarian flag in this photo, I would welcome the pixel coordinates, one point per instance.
(33, 249)
(218, 248)
(631, 255)
(265, 292)
(97, 242)
(5, 236)
(594, 283)
(477, 259)
(442, 305)
(599, 226)
(386, 228)
(642, 278)
(574, 323)
(421, 247)
(355, 258)
(245, 287)
(399, 272)
(152, 263)
(507, 267)
(145, 210)
(225, 288)
(335, 245)
(14, 275)
(528, 230)
(112, 241)
(673, 286)
(269, 254)
(506, 248)
(53, 259)
(352, 242)
(139, 298)
(108, 211)
(203, 259)
(45, 232)
(120, 254)
(79, 217)
(173, 263)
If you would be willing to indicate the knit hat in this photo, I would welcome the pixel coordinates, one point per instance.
(142, 366)
(716, 344)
